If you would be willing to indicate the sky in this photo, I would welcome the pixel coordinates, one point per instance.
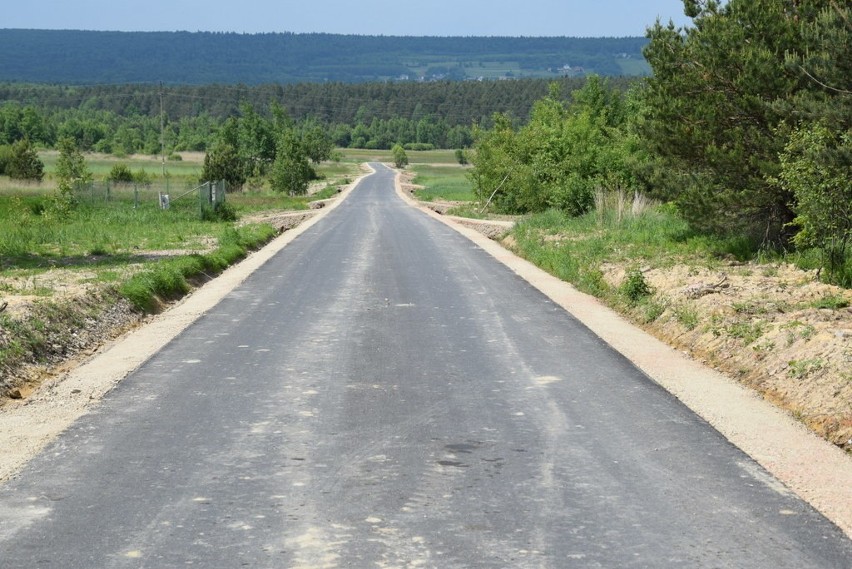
(580, 18)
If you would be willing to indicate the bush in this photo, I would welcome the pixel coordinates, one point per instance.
(142, 178)
(418, 146)
(221, 212)
(24, 163)
(815, 170)
(635, 287)
(400, 158)
(120, 173)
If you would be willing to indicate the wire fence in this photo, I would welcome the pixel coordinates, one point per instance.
(205, 197)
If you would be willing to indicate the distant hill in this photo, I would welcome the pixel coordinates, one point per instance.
(86, 57)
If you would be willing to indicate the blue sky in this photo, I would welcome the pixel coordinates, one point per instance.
(386, 17)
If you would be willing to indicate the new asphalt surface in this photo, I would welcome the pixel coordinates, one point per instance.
(382, 393)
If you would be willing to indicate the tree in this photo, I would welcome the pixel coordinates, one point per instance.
(725, 96)
(291, 171)
(255, 142)
(400, 158)
(71, 168)
(823, 195)
(24, 163)
(223, 163)
(561, 157)
(316, 142)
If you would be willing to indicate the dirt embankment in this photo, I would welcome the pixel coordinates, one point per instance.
(772, 327)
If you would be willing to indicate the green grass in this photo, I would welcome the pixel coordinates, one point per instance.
(105, 237)
(100, 165)
(574, 248)
(831, 303)
(171, 279)
(443, 182)
(358, 155)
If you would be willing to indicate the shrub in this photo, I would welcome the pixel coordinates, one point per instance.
(24, 163)
(635, 287)
(814, 169)
(400, 158)
(120, 173)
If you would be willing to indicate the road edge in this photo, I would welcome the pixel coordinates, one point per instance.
(817, 471)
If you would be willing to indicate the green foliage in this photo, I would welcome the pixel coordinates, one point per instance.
(291, 171)
(400, 158)
(223, 211)
(5, 157)
(71, 173)
(719, 106)
(747, 331)
(635, 287)
(223, 163)
(461, 156)
(123, 121)
(561, 157)
(815, 168)
(316, 142)
(24, 163)
(171, 279)
(801, 369)
(831, 303)
(120, 173)
(687, 315)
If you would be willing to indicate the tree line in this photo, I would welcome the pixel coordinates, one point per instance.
(745, 127)
(126, 119)
(85, 57)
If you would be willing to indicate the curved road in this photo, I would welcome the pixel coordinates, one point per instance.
(382, 393)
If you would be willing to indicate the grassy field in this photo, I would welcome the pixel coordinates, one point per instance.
(415, 157)
(443, 182)
(111, 240)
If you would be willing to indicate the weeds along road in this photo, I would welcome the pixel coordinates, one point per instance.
(382, 393)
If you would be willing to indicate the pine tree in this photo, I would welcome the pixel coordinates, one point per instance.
(727, 93)
(24, 163)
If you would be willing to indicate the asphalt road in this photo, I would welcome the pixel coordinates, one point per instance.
(382, 393)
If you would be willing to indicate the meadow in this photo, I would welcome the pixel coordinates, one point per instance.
(123, 237)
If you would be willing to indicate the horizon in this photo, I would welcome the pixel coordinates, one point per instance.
(77, 30)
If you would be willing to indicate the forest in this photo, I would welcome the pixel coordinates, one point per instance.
(90, 57)
(743, 129)
(125, 119)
